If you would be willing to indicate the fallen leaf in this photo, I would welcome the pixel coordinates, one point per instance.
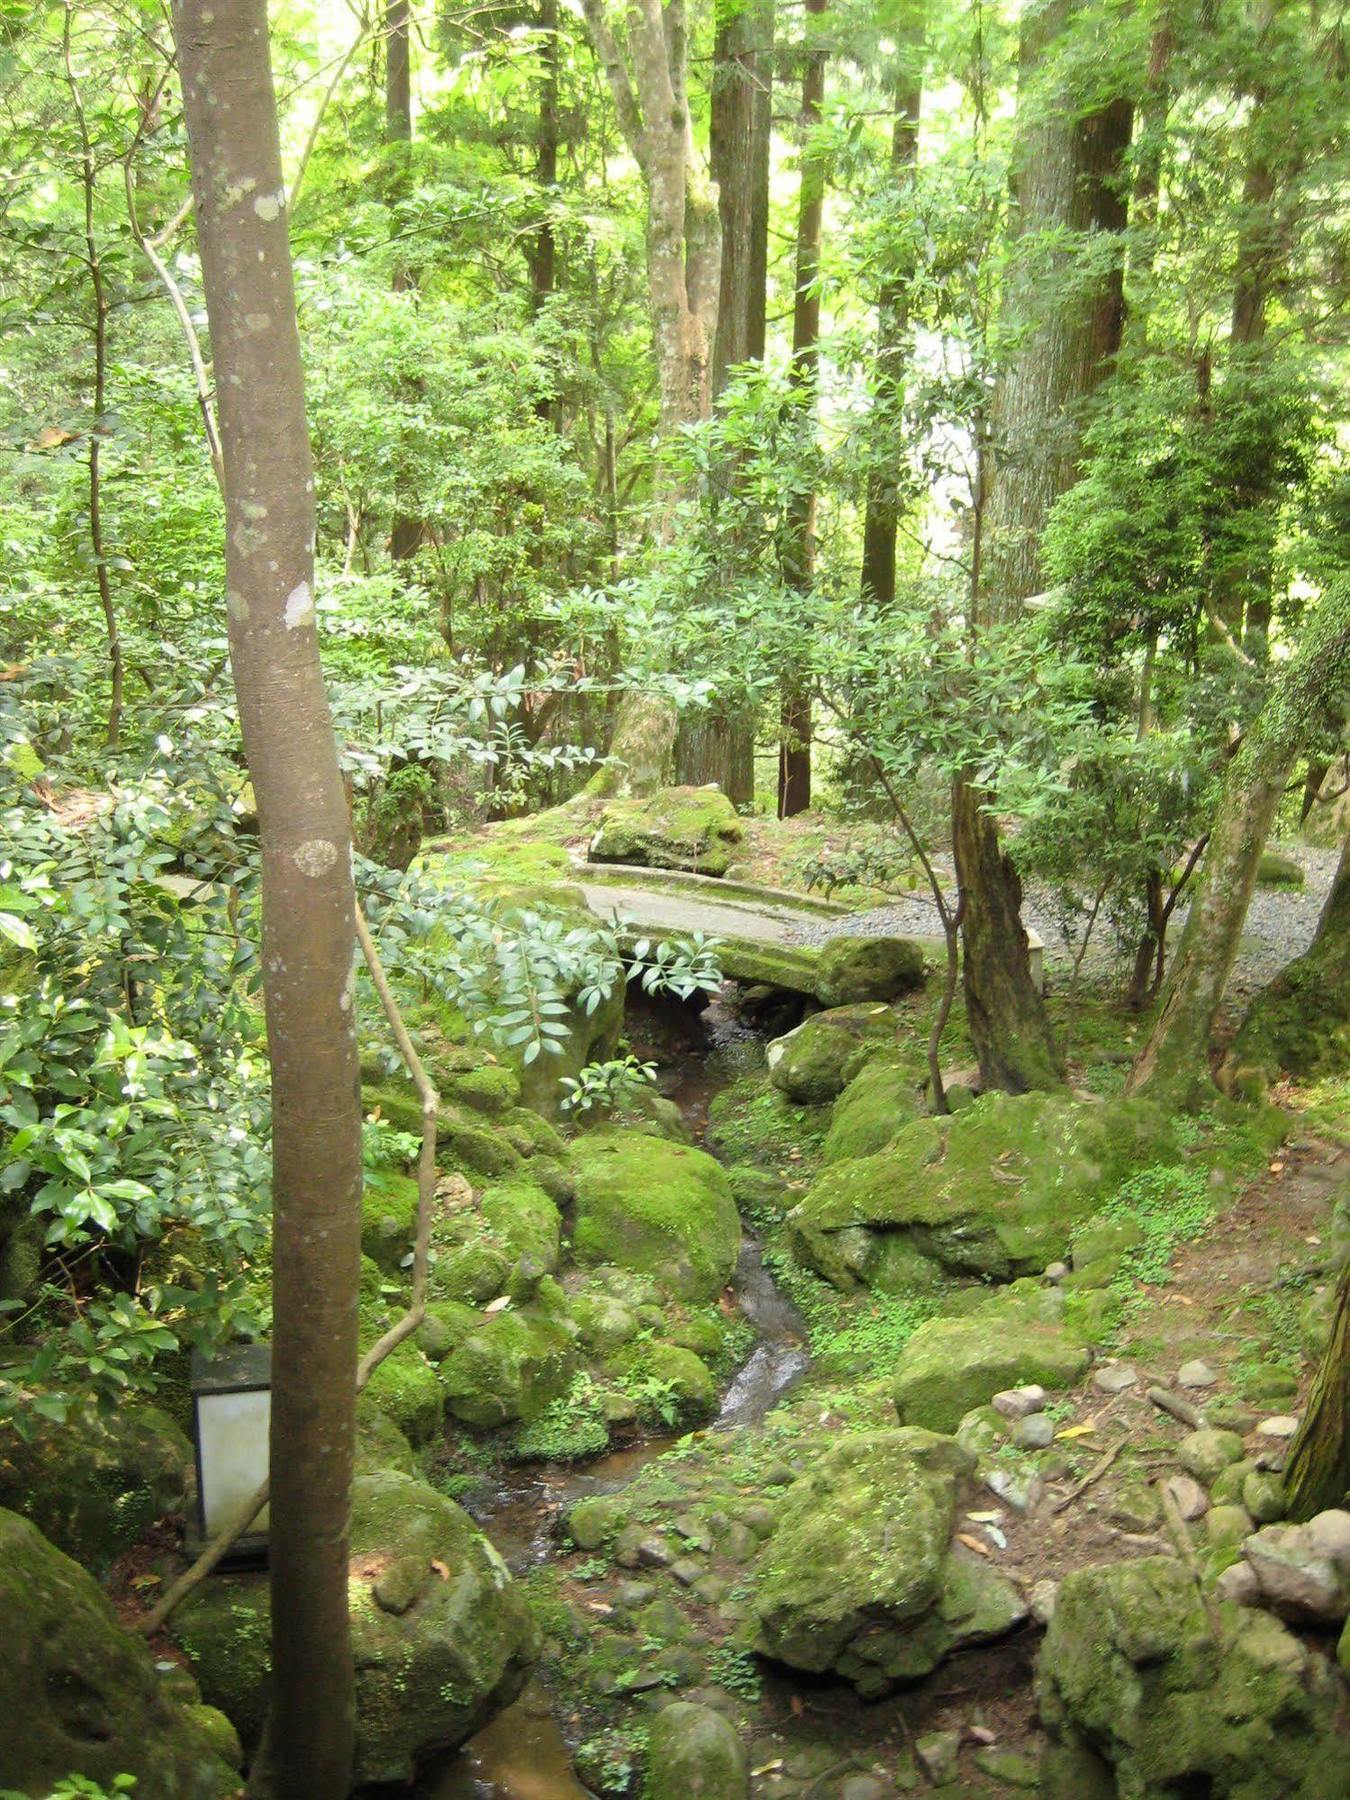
(973, 1543)
(997, 1536)
(768, 1768)
(440, 1568)
(1077, 1431)
(981, 1734)
(798, 1706)
(1277, 1168)
(984, 1518)
(500, 1304)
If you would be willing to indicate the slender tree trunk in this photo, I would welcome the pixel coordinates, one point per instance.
(1317, 1475)
(1299, 1024)
(882, 515)
(397, 74)
(1174, 1060)
(543, 253)
(794, 754)
(308, 945)
(1068, 311)
(98, 287)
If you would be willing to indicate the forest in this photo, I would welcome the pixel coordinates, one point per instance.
(675, 899)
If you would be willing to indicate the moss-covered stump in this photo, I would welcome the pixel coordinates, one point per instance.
(78, 1695)
(96, 1482)
(693, 1754)
(881, 1098)
(514, 1364)
(854, 969)
(952, 1365)
(678, 828)
(660, 1209)
(860, 1577)
(1141, 1697)
(442, 1639)
(995, 1190)
(816, 1062)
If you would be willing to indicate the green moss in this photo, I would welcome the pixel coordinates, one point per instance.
(657, 1208)
(405, 1386)
(511, 1367)
(1276, 870)
(751, 1122)
(669, 1384)
(80, 1693)
(881, 1098)
(677, 828)
(854, 969)
(952, 1365)
(995, 1190)
(814, 1063)
(388, 1219)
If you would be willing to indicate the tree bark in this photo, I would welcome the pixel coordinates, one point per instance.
(739, 155)
(1299, 1024)
(1067, 318)
(882, 516)
(1317, 1475)
(397, 74)
(799, 556)
(308, 935)
(1174, 1060)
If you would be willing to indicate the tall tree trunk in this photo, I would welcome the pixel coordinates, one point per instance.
(1067, 311)
(543, 251)
(308, 930)
(718, 744)
(1174, 1060)
(799, 557)
(405, 533)
(882, 515)
(739, 155)
(1317, 1475)
(1299, 1024)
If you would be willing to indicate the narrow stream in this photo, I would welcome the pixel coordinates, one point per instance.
(521, 1755)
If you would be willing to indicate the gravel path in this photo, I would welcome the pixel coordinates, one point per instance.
(1280, 923)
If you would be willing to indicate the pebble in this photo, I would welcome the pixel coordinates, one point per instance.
(654, 1553)
(1196, 1375)
(1192, 1502)
(1023, 1493)
(865, 1787)
(1283, 1425)
(1115, 1378)
(1019, 1402)
(937, 1753)
(1329, 1534)
(1263, 1497)
(1297, 1580)
(1041, 1600)
(1056, 1272)
(687, 1570)
(1035, 1432)
(1207, 1452)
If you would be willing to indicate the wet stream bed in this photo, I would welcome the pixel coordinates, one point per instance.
(522, 1754)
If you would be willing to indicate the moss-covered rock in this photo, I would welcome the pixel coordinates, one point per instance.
(854, 969)
(388, 1219)
(693, 1754)
(677, 828)
(380, 1443)
(442, 1640)
(859, 1576)
(1132, 1674)
(405, 1386)
(751, 1122)
(661, 1209)
(510, 1367)
(995, 1190)
(684, 1379)
(95, 1483)
(816, 1062)
(882, 1097)
(82, 1696)
(1276, 870)
(445, 1325)
(952, 1365)
(502, 1241)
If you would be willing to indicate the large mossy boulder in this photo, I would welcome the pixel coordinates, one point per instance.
(514, 1364)
(96, 1482)
(1142, 1695)
(442, 1639)
(694, 1754)
(693, 828)
(816, 1062)
(949, 1366)
(995, 1190)
(502, 1241)
(659, 1209)
(79, 1695)
(860, 1577)
(880, 1099)
(854, 969)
